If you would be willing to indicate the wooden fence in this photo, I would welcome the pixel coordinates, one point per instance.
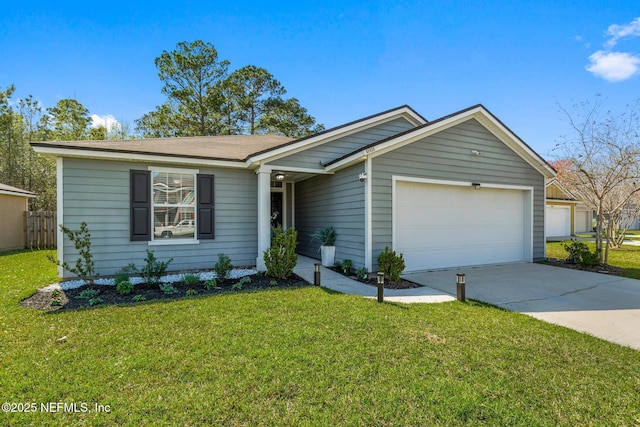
(40, 230)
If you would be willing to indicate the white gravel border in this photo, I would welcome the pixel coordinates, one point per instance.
(236, 273)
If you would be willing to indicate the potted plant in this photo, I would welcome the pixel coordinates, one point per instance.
(327, 237)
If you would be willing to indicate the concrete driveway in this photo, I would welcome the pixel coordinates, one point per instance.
(605, 306)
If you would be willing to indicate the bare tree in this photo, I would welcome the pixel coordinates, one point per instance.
(603, 154)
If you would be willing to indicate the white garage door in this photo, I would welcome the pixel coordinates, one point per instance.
(440, 226)
(557, 220)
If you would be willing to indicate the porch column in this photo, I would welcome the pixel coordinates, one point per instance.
(264, 214)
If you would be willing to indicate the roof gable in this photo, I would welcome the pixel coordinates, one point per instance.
(557, 191)
(477, 112)
(346, 129)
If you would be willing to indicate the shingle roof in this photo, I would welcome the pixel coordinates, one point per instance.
(226, 147)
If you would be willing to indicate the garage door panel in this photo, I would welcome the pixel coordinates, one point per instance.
(439, 226)
(557, 220)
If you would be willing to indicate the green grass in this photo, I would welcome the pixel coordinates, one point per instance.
(303, 357)
(626, 258)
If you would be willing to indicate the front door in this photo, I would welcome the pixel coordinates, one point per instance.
(277, 206)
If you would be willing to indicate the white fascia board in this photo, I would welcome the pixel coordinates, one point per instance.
(135, 157)
(301, 170)
(14, 193)
(288, 150)
(513, 142)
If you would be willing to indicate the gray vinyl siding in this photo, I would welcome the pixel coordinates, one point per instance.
(332, 200)
(447, 156)
(313, 157)
(97, 192)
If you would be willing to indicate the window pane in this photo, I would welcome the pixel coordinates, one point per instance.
(173, 188)
(173, 222)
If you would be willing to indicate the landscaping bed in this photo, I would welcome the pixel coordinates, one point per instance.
(73, 298)
(373, 280)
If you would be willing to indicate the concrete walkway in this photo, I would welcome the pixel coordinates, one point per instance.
(337, 282)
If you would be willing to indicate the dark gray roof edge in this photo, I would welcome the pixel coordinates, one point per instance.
(295, 141)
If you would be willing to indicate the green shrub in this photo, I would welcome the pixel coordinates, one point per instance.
(153, 269)
(223, 267)
(123, 275)
(125, 287)
(191, 292)
(391, 264)
(241, 283)
(190, 279)
(580, 254)
(95, 301)
(362, 274)
(138, 298)
(281, 257)
(211, 284)
(346, 266)
(81, 239)
(168, 289)
(88, 294)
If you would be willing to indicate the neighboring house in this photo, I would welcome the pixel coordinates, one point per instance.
(13, 204)
(457, 191)
(565, 214)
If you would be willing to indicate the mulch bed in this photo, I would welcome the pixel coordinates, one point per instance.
(41, 300)
(614, 271)
(373, 281)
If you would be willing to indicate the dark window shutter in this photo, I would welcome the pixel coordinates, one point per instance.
(140, 196)
(206, 207)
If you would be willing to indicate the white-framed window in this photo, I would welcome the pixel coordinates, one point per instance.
(173, 204)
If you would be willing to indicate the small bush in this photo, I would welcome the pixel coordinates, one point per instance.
(123, 275)
(138, 298)
(153, 269)
(168, 289)
(346, 266)
(125, 287)
(190, 279)
(391, 264)
(580, 254)
(223, 267)
(191, 292)
(273, 282)
(211, 284)
(362, 274)
(88, 294)
(281, 257)
(241, 283)
(95, 301)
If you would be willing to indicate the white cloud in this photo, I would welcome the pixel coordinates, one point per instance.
(618, 32)
(108, 121)
(614, 66)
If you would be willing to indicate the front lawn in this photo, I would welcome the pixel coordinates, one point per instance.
(302, 356)
(626, 258)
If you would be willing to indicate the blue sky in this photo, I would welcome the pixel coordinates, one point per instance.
(342, 59)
